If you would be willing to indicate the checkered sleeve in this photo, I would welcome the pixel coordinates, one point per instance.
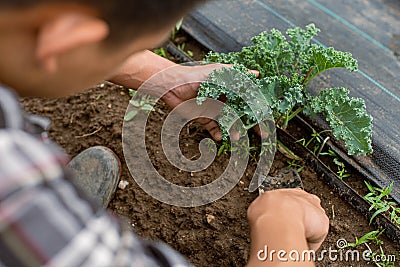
(46, 221)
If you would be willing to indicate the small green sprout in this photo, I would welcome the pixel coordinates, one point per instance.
(161, 52)
(145, 103)
(176, 29)
(381, 202)
(294, 164)
(372, 236)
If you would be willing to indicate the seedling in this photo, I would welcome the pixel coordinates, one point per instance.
(182, 47)
(210, 145)
(225, 147)
(161, 52)
(294, 165)
(379, 257)
(381, 202)
(382, 259)
(368, 237)
(314, 136)
(342, 172)
(341, 167)
(190, 53)
(317, 139)
(240, 147)
(330, 153)
(286, 67)
(176, 29)
(144, 103)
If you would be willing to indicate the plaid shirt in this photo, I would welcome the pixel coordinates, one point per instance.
(46, 221)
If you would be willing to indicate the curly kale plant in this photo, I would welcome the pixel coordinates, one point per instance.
(286, 66)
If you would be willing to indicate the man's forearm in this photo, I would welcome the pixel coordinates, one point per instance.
(139, 68)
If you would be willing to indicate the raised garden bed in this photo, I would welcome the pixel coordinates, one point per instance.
(212, 235)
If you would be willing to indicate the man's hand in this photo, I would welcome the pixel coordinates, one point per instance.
(287, 219)
(175, 83)
(176, 87)
(189, 90)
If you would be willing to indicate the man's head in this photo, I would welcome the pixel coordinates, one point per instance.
(62, 44)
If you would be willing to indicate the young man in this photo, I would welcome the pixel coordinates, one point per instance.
(53, 48)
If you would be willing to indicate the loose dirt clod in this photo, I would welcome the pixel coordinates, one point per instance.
(210, 218)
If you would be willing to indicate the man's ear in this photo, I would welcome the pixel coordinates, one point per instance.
(66, 32)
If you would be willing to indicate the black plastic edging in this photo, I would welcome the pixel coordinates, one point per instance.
(174, 50)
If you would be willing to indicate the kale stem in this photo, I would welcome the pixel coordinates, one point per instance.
(295, 113)
(287, 119)
(279, 120)
(289, 116)
(276, 67)
(307, 76)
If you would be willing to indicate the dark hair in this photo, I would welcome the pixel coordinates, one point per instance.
(137, 16)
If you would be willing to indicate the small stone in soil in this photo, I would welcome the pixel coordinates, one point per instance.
(123, 184)
(210, 218)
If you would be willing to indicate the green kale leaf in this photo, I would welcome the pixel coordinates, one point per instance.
(347, 116)
(287, 63)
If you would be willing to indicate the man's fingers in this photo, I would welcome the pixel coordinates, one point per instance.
(212, 127)
(315, 246)
(262, 133)
(315, 242)
(255, 72)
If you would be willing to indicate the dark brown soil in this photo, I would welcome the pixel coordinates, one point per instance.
(212, 235)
